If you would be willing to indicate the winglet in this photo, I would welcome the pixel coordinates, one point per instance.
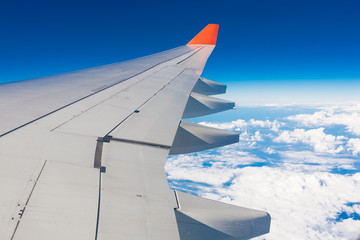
(207, 36)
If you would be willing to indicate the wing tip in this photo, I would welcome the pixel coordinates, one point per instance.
(207, 36)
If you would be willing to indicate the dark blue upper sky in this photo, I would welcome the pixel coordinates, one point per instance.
(264, 46)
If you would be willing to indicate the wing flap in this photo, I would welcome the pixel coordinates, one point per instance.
(24, 103)
(136, 202)
(105, 113)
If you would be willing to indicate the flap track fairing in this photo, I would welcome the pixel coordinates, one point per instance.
(192, 137)
(199, 105)
(209, 87)
(199, 218)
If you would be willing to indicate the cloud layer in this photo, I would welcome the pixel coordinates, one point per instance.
(347, 116)
(317, 138)
(298, 168)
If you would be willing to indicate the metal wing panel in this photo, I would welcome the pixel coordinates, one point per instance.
(62, 205)
(24, 101)
(17, 179)
(36, 141)
(157, 121)
(101, 117)
(197, 60)
(136, 202)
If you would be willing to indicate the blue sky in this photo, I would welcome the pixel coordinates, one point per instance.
(268, 51)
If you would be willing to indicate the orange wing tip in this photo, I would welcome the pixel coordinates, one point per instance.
(207, 36)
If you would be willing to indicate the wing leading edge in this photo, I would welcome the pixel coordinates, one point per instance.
(89, 162)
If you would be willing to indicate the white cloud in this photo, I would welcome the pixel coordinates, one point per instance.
(341, 115)
(272, 125)
(270, 150)
(303, 205)
(241, 124)
(354, 145)
(245, 136)
(307, 161)
(348, 229)
(317, 138)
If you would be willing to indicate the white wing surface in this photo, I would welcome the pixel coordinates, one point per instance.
(83, 153)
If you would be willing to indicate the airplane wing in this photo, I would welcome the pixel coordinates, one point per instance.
(82, 153)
